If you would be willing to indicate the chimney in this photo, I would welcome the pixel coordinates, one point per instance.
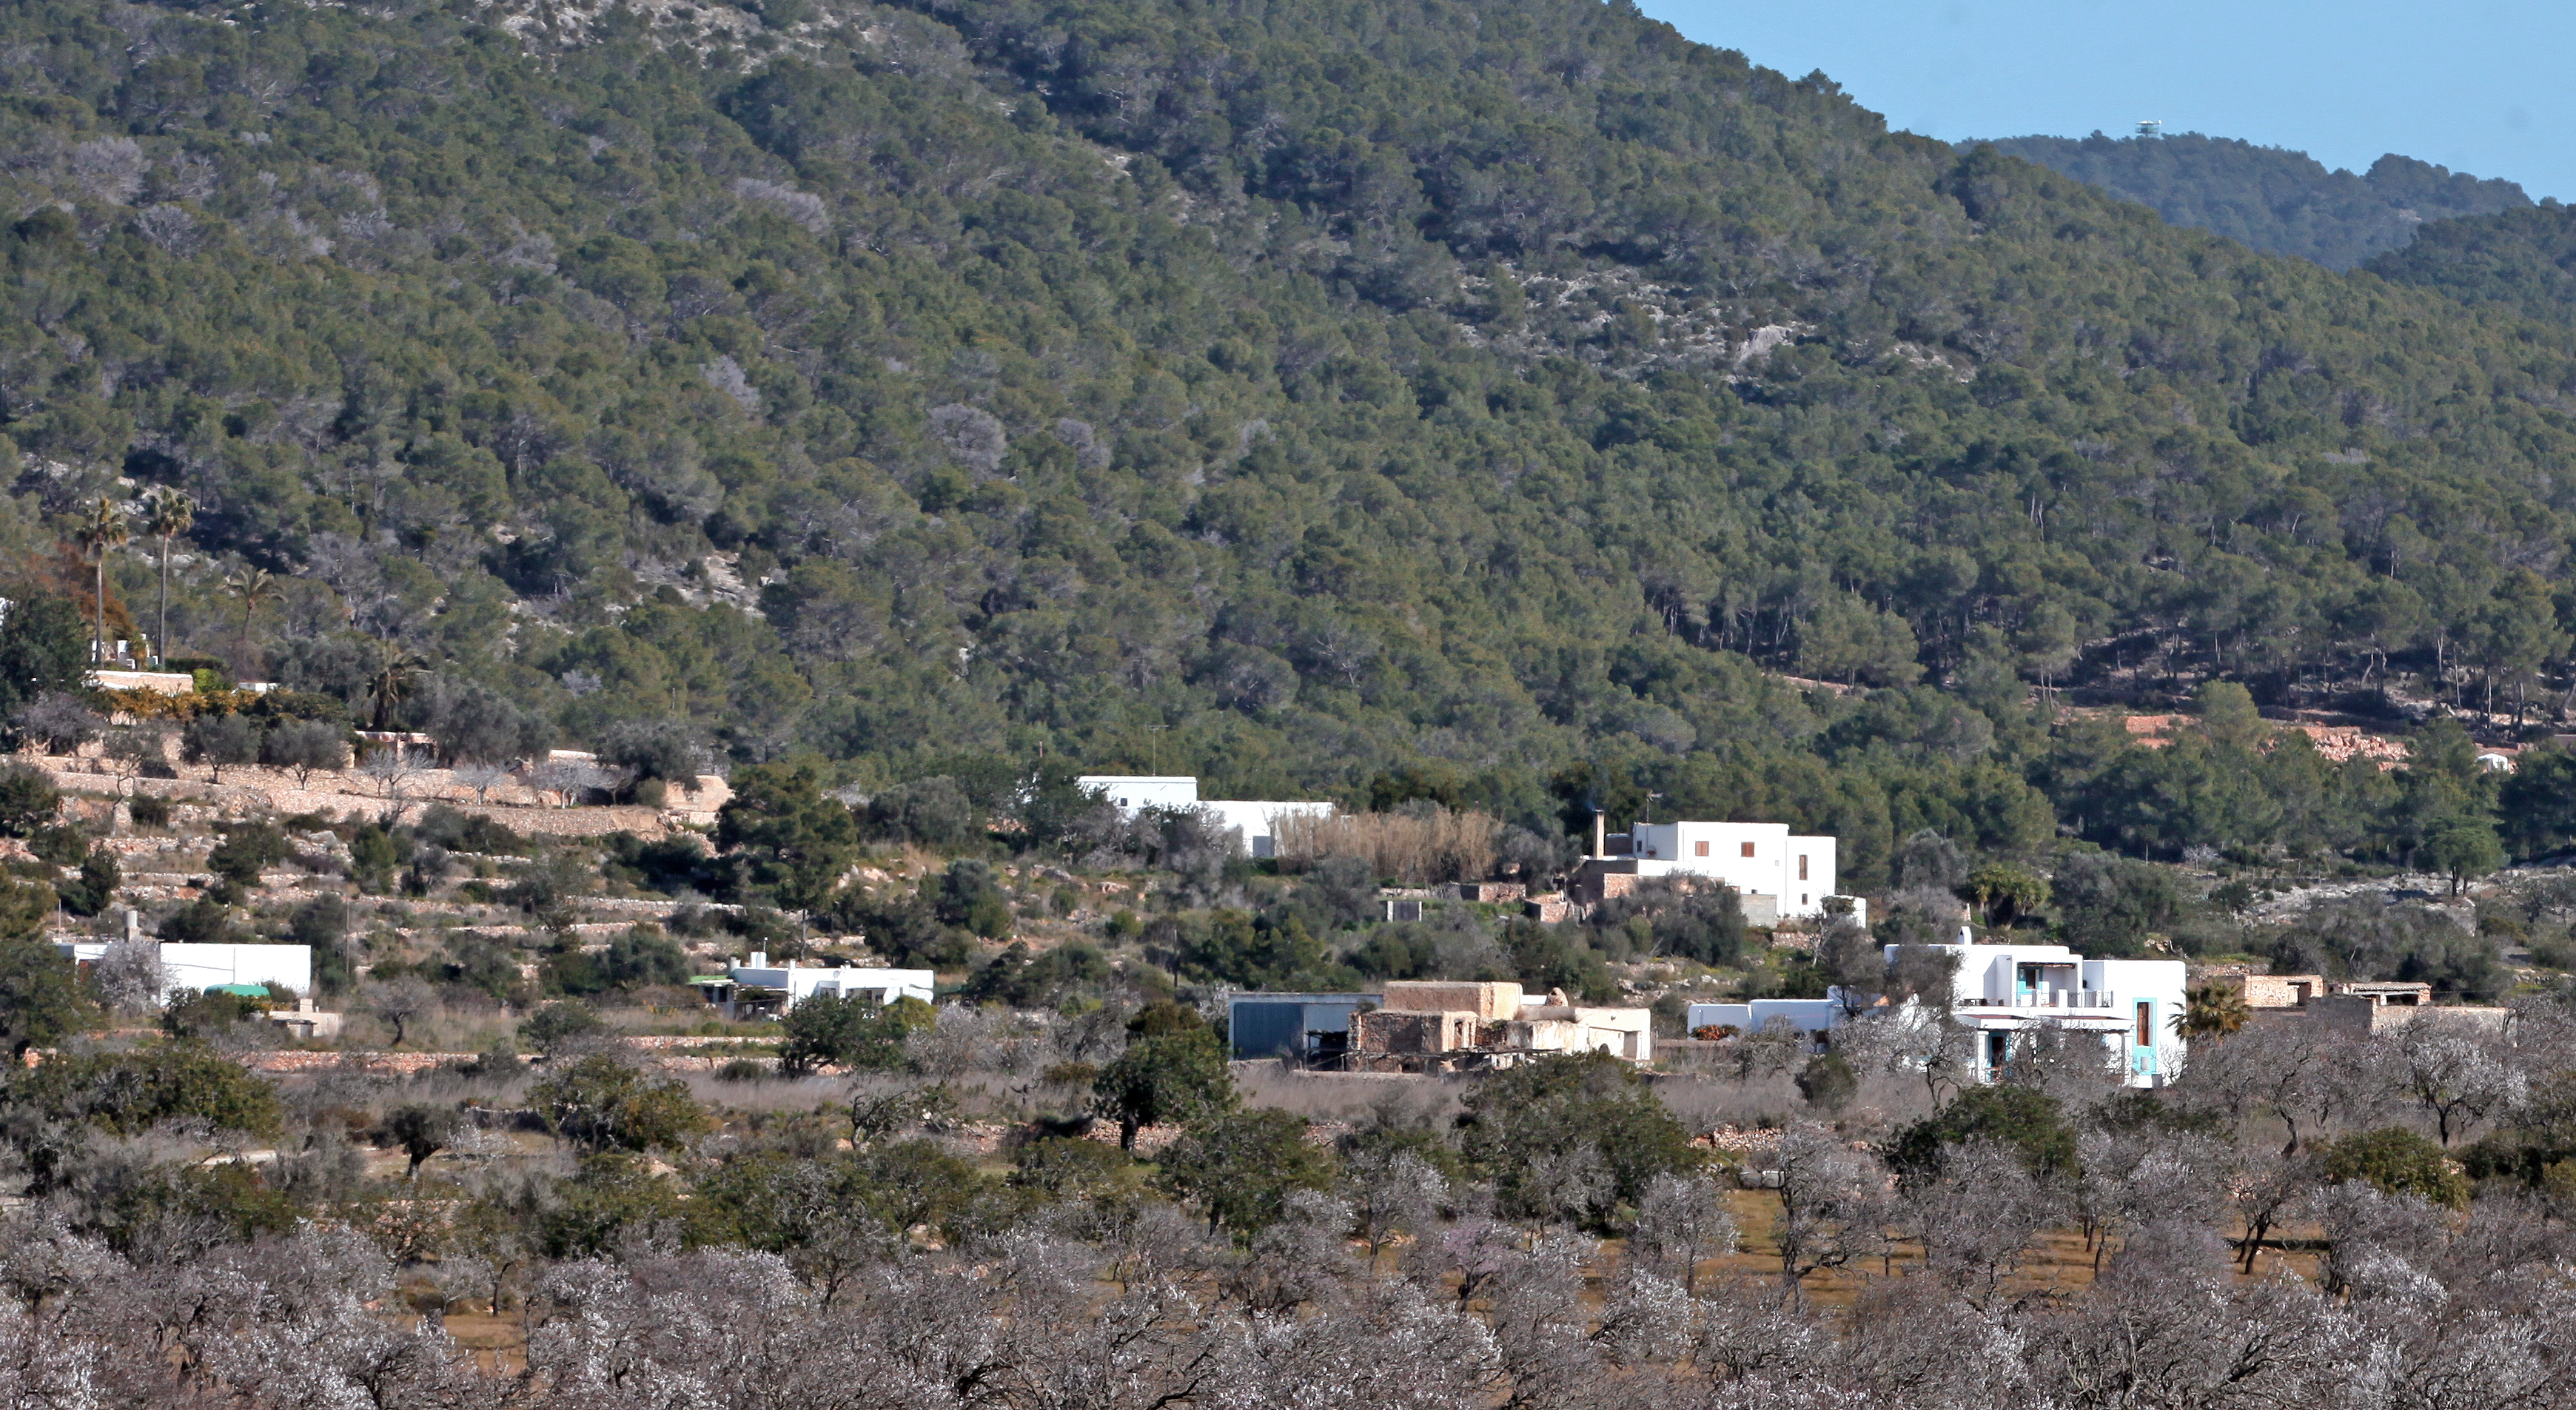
(759, 959)
(1600, 842)
(133, 926)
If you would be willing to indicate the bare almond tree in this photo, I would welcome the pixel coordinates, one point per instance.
(482, 778)
(1682, 1221)
(1975, 1218)
(129, 977)
(400, 1002)
(2457, 1071)
(1833, 1204)
(390, 768)
(1391, 1191)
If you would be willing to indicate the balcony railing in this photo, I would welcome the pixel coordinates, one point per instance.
(2054, 1000)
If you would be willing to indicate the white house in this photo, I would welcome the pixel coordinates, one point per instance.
(1132, 792)
(1757, 859)
(2128, 1005)
(197, 968)
(2000, 992)
(802, 982)
(1813, 1017)
(1255, 820)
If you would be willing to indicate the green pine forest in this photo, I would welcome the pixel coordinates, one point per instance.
(1508, 404)
(2278, 201)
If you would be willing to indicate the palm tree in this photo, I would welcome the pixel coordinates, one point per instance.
(253, 586)
(166, 514)
(391, 681)
(100, 534)
(2212, 1010)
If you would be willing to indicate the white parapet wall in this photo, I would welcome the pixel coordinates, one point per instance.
(193, 969)
(1253, 820)
(802, 982)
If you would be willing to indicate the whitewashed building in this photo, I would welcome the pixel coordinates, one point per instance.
(1132, 793)
(194, 969)
(1256, 821)
(2000, 994)
(2129, 1006)
(1757, 859)
(801, 982)
(1813, 1017)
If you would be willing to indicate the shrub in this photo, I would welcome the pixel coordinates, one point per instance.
(459, 831)
(1171, 1076)
(304, 746)
(1522, 1120)
(934, 812)
(1828, 1083)
(246, 851)
(203, 921)
(59, 845)
(555, 1025)
(221, 741)
(2399, 1162)
(851, 1032)
(209, 1015)
(1071, 1167)
(90, 893)
(2029, 1121)
(601, 1103)
(1241, 1166)
(643, 956)
(28, 799)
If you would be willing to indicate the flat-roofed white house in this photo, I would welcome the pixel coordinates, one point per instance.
(193, 969)
(1135, 792)
(1757, 859)
(795, 983)
(1256, 820)
(799, 982)
(1813, 1017)
(2000, 991)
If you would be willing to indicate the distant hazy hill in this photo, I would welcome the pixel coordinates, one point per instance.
(2275, 200)
(2524, 259)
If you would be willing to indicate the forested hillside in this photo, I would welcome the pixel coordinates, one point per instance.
(2523, 260)
(1482, 396)
(2278, 201)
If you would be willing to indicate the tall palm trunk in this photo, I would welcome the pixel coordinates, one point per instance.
(163, 625)
(98, 641)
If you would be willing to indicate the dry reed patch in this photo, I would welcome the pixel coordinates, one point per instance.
(1417, 849)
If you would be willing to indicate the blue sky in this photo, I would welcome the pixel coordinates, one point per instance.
(2485, 86)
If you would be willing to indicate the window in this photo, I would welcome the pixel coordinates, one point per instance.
(1699, 849)
(2146, 1024)
(1748, 849)
(1802, 866)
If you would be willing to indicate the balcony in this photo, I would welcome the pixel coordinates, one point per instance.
(2050, 1001)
